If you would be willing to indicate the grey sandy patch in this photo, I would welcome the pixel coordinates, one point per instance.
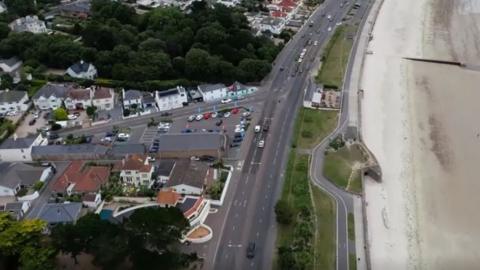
(440, 144)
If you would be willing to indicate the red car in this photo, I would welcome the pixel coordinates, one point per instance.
(235, 110)
(207, 115)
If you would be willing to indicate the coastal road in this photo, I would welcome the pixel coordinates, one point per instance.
(249, 213)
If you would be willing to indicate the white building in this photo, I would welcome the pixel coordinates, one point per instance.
(213, 92)
(272, 25)
(13, 101)
(135, 170)
(103, 98)
(171, 99)
(20, 149)
(82, 70)
(190, 177)
(132, 97)
(50, 96)
(78, 99)
(28, 24)
(229, 3)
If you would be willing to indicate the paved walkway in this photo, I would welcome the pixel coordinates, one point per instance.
(359, 234)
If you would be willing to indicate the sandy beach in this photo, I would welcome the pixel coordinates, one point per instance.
(420, 120)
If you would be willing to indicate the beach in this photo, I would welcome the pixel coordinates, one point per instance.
(420, 121)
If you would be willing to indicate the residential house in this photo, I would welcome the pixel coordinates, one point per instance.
(194, 209)
(3, 7)
(171, 98)
(132, 99)
(20, 149)
(82, 70)
(229, 3)
(190, 177)
(103, 98)
(13, 101)
(10, 65)
(16, 209)
(239, 91)
(60, 213)
(213, 92)
(17, 175)
(164, 170)
(78, 9)
(135, 170)
(185, 145)
(148, 101)
(81, 178)
(272, 25)
(78, 98)
(285, 9)
(86, 151)
(28, 24)
(50, 96)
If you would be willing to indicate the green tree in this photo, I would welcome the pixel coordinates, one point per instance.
(254, 69)
(60, 114)
(20, 7)
(197, 64)
(91, 110)
(38, 258)
(4, 30)
(284, 212)
(6, 81)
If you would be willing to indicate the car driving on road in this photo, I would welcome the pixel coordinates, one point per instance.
(251, 250)
(261, 143)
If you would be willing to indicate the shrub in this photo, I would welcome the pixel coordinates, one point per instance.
(38, 185)
(284, 212)
(307, 134)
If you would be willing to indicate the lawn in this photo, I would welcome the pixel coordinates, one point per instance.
(325, 230)
(336, 57)
(313, 126)
(339, 167)
(351, 227)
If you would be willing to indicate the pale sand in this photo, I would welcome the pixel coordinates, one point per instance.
(420, 120)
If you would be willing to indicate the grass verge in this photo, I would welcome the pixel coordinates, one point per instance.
(325, 230)
(351, 227)
(341, 167)
(305, 241)
(352, 262)
(336, 56)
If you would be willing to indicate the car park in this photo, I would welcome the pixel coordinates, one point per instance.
(251, 250)
(226, 100)
(199, 117)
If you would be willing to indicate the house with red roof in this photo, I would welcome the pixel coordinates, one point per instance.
(83, 178)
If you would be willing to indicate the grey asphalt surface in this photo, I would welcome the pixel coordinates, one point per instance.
(250, 213)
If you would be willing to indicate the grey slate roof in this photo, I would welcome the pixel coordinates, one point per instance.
(55, 213)
(10, 61)
(188, 172)
(121, 150)
(69, 149)
(78, 6)
(147, 98)
(18, 143)
(187, 204)
(80, 67)
(165, 167)
(16, 173)
(169, 92)
(48, 90)
(210, 87)
(11, 96)
(190, 141)
(132, 94)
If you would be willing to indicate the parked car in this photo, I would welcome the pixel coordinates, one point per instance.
(261, 144)
(207, 158)
(36, 115)
(226, 100)
(251, 250)
(123, 137)
(32, 122)
(257, 128)
(235, 110)
(77, 114)
(191, 118)
(237, 140)
(219, 123)
(207, 115)
(11, 113)
(199, 117)
(232, 145)
(165, 114)
(226, 115)
(214, 115)
(72, 117)
(186, 130)
(194, 158)
(53, 136)
(246, 114)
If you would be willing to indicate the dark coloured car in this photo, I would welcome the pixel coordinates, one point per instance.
(251, 250)
(165, 114)
(32, 122)
(207, 158)
(232, 145)
(237, 139)
(219, 123)
(53, 136)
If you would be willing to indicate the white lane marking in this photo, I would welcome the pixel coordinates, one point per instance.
(245, 203)
(233, 228)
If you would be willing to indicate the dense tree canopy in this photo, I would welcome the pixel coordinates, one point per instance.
(207, 44)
